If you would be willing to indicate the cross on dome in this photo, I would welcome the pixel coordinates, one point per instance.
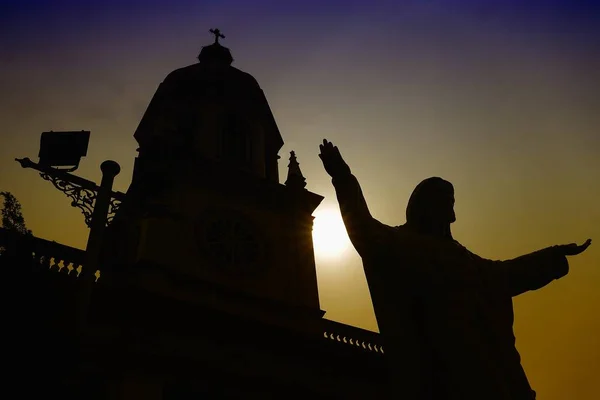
(218, 34)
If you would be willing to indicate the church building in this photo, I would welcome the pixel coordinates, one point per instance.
(208, 286)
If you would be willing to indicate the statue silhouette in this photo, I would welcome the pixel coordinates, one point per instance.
(445, 314)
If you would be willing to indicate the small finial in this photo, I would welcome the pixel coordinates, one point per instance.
(217, 34)
(295, 179)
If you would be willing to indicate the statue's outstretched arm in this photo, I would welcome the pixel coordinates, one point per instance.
(535, 270)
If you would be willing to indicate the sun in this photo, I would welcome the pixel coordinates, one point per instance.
(330, 238)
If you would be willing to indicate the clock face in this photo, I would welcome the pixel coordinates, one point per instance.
(230, 242)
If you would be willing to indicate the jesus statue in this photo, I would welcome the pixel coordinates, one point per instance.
(445, 314)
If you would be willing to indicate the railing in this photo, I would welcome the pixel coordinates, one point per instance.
(352, 336)
(36, 253)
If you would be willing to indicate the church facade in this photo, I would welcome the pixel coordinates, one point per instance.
(208, 285)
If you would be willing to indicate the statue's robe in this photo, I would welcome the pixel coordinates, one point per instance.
(445, 314)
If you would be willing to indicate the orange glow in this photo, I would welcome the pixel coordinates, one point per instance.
(330, 239)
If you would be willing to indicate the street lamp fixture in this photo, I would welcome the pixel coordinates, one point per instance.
(63, 149)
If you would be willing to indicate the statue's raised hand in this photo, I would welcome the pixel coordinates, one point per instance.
(332, 160)
(573, 249)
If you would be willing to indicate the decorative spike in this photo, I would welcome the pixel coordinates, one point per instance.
(295, 179)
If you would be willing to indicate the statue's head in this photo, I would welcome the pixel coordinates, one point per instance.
(430, 208)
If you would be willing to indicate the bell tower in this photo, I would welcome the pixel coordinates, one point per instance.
(205, 205)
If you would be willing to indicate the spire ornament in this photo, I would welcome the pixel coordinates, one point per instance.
(295, 179)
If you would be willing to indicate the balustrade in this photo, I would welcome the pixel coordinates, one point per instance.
(24, 251)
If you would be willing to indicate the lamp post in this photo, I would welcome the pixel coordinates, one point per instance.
(97, 203)
(65, 149)
(110, 169)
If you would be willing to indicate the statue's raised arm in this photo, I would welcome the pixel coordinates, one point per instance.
(364, 231)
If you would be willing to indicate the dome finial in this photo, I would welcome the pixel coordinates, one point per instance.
(215, 54)
(218, 34)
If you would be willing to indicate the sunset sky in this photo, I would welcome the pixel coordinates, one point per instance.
(500, 98)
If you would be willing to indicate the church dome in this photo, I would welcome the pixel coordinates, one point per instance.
(213, 77)
(213, 111)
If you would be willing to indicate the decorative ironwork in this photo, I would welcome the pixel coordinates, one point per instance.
(113, 207)
(82, 198)
(82, 192)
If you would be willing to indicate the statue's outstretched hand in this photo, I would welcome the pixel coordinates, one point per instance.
(574, 249)
(332, 160)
